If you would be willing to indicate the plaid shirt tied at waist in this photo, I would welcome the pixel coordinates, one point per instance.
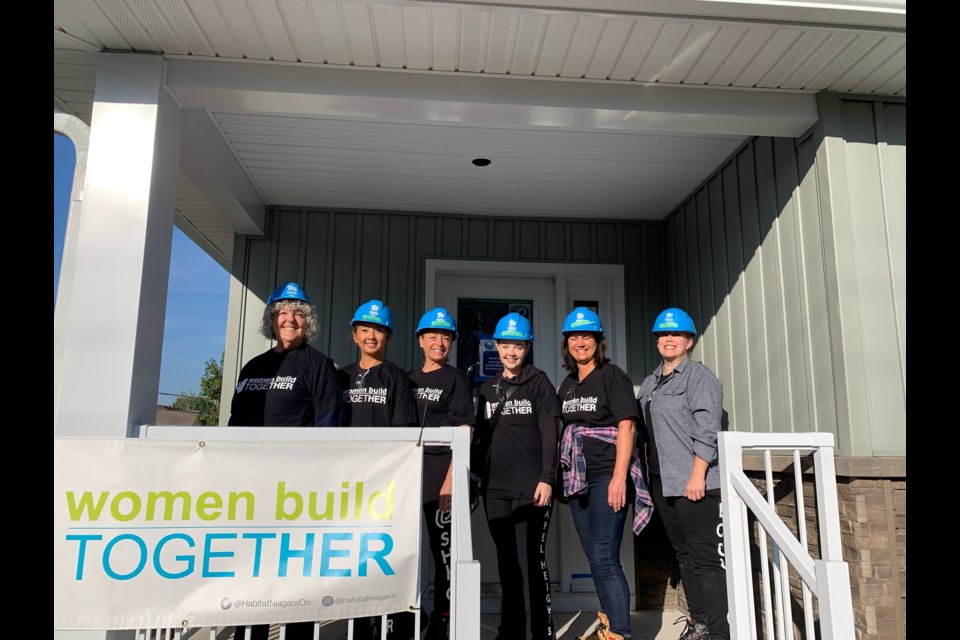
(575, 468)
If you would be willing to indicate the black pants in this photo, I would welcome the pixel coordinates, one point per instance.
(520, 535)
(439, 533)
(695, 530)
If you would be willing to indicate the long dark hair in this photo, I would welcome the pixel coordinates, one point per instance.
(599, 358)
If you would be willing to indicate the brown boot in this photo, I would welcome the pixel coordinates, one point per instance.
(602, 630)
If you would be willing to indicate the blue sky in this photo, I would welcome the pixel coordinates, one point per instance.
(196, 318)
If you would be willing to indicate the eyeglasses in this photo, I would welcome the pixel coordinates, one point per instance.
(361, 376)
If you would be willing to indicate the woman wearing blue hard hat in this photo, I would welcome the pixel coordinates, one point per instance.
(290, 385)
(443, 396)
(601, 473)
(313, 398)
(377, 393)
(681, 405)
(517, 413)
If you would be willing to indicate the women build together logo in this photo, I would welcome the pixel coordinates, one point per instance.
(136, 545)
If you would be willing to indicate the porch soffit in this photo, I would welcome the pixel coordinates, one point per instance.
(616, 111)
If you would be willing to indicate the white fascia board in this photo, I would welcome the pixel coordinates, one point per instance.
(483, 100)
(207, 160)
(883, 15)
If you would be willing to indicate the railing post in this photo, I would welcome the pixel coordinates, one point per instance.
(736, 540)
(464, 570)
(836, 607)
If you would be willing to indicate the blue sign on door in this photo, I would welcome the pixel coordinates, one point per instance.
(488, 357)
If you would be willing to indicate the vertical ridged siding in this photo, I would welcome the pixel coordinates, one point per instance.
(345, 258)
(791, 259)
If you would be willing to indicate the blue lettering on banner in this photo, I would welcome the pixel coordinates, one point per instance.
(341, 554)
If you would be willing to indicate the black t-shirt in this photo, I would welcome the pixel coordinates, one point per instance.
(524, 448)
(377, 397)
(604, 398)
(443, 399)
(295, 388)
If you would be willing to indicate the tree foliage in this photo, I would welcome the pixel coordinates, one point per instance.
(207, 402)
(210, 385)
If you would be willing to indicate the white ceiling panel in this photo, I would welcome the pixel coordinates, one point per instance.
(445, 41)
(298, 18)
(359, 27)
(663, 52)
(720, 48)
(583, 46)
(612, 42)
(884, 74)
(638, 47)
(245, 30)
(388, 32)
(769, 56)
(697, 41)
(556, 41)
(214, 26)
(473, 36)
(599, 110)
(416, 30)
(275, 36)
(503, 30)
(331, 32)
(529, 37)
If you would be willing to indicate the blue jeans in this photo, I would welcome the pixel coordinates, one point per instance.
(601, 530)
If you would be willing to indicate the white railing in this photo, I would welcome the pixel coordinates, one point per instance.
(465, 571)
(825, 577)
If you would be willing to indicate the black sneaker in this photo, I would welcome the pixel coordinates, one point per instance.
(692, 629)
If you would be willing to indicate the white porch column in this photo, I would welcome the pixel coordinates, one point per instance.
(113, 335)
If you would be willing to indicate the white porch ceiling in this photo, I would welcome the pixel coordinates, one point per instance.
(612, 108)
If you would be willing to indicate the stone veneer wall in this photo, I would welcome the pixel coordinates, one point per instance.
(873, 509)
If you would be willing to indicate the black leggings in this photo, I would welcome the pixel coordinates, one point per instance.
(435, 469)
(695, 530)
(520, 535)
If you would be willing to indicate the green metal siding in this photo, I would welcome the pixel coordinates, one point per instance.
(791, 259)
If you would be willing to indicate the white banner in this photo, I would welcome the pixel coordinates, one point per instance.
(161, 533)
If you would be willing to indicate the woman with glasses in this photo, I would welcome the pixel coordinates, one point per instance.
(377, 393)
(518, 409)
(443, 399)
(601, 473)
(681, 404)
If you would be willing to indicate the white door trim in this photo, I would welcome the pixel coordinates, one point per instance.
(615, 317)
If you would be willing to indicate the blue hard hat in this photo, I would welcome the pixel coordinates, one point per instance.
(582, 319)
(374, 312)
(288, 291)
(674, 319)
(437, 318)
(513, 326)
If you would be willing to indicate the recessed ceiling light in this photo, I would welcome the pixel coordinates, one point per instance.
(481, 162)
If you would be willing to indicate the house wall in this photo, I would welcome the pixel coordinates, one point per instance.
(782, 257)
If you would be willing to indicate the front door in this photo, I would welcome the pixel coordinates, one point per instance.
(479, 294)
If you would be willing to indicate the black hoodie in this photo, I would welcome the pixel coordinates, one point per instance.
(524, 449)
